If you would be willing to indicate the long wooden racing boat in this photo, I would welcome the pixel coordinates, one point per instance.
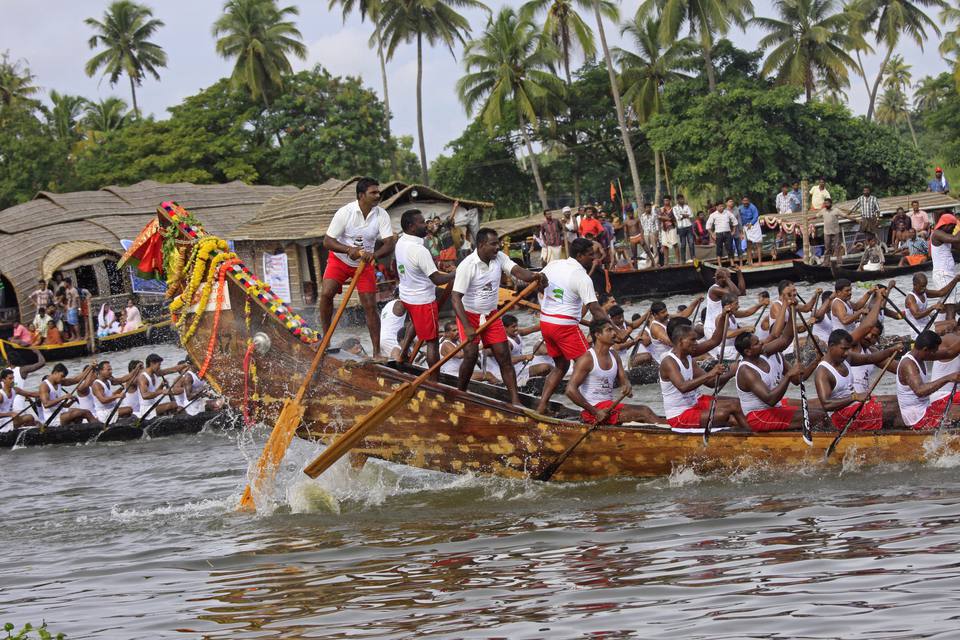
(252, 347)
(125, 429)
(827, 273)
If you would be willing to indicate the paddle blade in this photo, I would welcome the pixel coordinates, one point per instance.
(352, 436)
(273, 452)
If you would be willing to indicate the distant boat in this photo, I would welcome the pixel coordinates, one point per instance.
(152, 333)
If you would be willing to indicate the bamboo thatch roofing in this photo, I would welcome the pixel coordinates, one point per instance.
(307, 213)
(511, 226)
(33, 234)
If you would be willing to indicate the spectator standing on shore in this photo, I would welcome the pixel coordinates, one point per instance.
(721, 225)
(831, 231)
(939, 183)
(42, 297)
(750, 217)
(668, 231)
(736, 234)
(73, 310)
(589, 225)
(551, 236)
(819, 194)
(919, 219)
(650, 224)
(869, 210)
(684, 216)
(700, 233)
(797, 198)
(784, 200)
(632, 229)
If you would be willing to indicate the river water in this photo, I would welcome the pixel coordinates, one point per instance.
(142, 540)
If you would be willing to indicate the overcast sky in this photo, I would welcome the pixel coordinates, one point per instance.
(51, 36)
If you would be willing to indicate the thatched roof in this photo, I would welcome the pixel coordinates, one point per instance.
(512, 226)
(44, 233)
(307, 213)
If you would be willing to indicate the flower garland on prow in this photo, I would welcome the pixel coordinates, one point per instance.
(185, 229)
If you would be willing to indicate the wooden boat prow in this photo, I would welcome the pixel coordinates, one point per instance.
(476, 431)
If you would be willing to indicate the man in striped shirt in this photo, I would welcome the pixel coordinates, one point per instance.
(869, 210)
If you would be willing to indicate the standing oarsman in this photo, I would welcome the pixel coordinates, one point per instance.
(942, 242)
(680, 378)
(351, 237)
(569, 290)
(8, 416)
(596, 375)
(915, 304)
(834, 382)
(843, 314)
(915, 385)
(476, 289)
(419, 279)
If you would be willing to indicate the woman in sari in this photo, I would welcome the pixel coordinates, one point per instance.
(133, 319)
(107, 321)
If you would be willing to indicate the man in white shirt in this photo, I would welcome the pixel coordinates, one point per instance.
(684, 215)
(818, 193)
(721, 224)
(476, 290)
(419, 278)
(351, 237)
(569, 289)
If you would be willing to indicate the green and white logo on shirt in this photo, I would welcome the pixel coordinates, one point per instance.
(558, 293)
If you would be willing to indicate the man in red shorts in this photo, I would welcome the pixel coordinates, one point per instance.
(569, 289)
(834, 382)
(915, 384)
(597, 374)
(760, 385)
(476, 290)
(351, 237)
(688, 411)
(419, 279)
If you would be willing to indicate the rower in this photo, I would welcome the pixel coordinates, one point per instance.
(20, 374)
(189, 388)
(475, 294)
(151, 385)
(915, 385)
(843, 313)
(916, 300)
(419, 278)
(83, 393)
(732, 303)
(762, 329)
(596, 375)
(821, 323)
(942, 241)
(569, 290)
(760, 387)
(515, 342)
(714, 302)
(624, 343)
(392, 318)
(106, 395)
(52, 395)
(834, 383)
(8, 393)
(448, 342)
(864, 338)
(786, 295)
(351, 237)
(947, 362)
(688, 411)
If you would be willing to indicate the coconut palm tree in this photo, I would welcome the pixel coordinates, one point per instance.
(645, 71)
(124, 35)
(565, 28)
(435, 21)
(65, 115)
(891, 107)
(372, 9)
(889, 21)
(810, 41)
(950, 46)
(930, 93)
(509, 66)
(705, 19)
(900, 79)
(259, 37)
(105, 116)
(16, 82)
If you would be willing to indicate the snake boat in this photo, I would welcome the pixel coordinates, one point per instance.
(252, 347)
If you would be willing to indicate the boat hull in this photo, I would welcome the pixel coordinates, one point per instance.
(662, 282)
(815, 273)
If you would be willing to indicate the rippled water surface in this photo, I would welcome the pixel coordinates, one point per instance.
(142, 540)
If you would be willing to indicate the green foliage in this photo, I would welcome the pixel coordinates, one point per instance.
(746, 141)
(941, 120)
(16, 83)
(484, 167)
(26, 633)
(32, 158)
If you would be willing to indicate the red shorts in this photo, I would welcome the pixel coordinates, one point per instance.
(772, 419)
(563, 340)
(934, 415)
(425, 319)
(870, 419)
(612, 418)
(340, 271)
(494, 334)
(690, 419)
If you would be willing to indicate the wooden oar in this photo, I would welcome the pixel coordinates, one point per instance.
(946, 411)
(399, 398)
(63, 402)
(806, 432)
(833, 445)
(20, 413)
(292, 411)
(168, 394)
(126, 389)
(716, 385)
(551, 468)
(893, 305)
(810, 336)
(539, 344)
(762, 311)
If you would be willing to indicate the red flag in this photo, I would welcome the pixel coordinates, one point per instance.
(613, 192)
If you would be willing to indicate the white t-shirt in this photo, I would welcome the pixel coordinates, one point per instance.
(415, 265)
(349, 227)
(569, 288)
(479, 282)
(684, 215)
(721, 221)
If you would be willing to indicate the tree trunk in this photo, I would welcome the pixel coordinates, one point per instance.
(576, 184)
(656, 177)
(133, 94)
(863, 73)
(708, 63)
(876, 83)
(533, 163)
(424, 177)
(386, 104)
(913, 134)
(624, 133)
(808, 83)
